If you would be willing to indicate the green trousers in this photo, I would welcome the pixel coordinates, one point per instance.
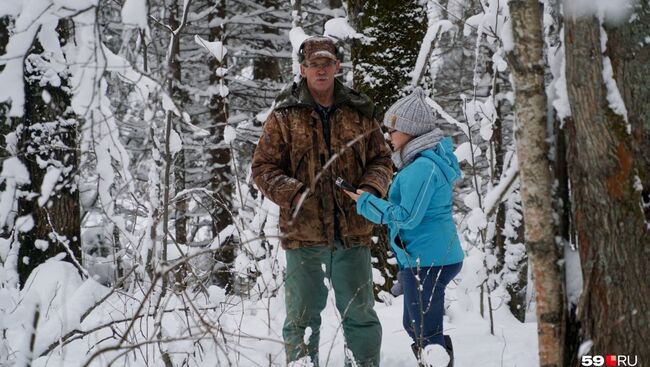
(350, 274)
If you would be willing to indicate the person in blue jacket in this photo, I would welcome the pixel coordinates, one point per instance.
(418, 213)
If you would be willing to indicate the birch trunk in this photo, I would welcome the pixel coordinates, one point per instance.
(526, 63)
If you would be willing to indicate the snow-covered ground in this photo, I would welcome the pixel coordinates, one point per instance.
(134, 324)
(513, 345)
(214, 329)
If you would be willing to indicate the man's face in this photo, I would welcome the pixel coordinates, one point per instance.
(319, 73)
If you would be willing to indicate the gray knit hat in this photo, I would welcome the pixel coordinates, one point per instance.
(411, 115)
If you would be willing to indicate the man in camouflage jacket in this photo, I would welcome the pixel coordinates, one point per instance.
(320, 130)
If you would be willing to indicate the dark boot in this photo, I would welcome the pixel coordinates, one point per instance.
(450, 350)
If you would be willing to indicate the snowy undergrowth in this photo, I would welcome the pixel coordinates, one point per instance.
(210, 328)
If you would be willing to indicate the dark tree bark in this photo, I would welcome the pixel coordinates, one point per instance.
(526, 62)
(173, 82)
(381, 67)
(399, 28)
(611, 231)
(335, 4)
(267, 67)
(220, 155)
(630, 58)
(48, 134)
(5, 123)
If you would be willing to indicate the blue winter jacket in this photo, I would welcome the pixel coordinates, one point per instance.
(419, 209)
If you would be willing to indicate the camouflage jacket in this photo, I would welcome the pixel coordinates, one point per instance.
(292, 159)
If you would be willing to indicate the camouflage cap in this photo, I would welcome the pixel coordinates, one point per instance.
(318, 46)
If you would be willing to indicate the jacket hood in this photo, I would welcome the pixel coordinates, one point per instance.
(443, 156)
(297, 94)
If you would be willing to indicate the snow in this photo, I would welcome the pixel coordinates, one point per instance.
(41, 245)
(613, 94)
(377, 277)
(611, 11)
(221, 72)
(169, 105)
(296, 36)
(573, 277)
(229, 134)
(222, 236)
(302, 362)
(215, 48)
(434, 355)
(464, 152)
(447, 117)
(614, 98)
(10, 7)
(476, 220)
(175, 142)
(471, 200)
(49, 181)
(262, 116)
(505, 183)
(339, 28)
(561, 101)
(24, 223)
(14, 173)
(507, 37)
(223, 91)
(434, 32)
(494, 20)
(11, 78)
(585, 347)
(134, 13)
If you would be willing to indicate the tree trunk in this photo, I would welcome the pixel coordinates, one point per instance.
(296, 17)
(48, 134)
(631, 63)
(612, 234)
(335, 4)
(5, 122)
(173, 82)
(497, 151)
(399, 28)
(267, 67)
(381, 68)
(219, 154)
(532, 151)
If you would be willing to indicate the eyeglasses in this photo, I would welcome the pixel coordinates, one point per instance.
(320, 66)
(391, 131)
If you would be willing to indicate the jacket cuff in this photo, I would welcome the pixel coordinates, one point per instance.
(370, 190)
(362, 201)
(380, 191)
(299, 190)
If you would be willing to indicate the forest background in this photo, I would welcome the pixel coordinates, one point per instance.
(132, 232)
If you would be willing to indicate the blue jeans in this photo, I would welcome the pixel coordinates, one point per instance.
(424, 301)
